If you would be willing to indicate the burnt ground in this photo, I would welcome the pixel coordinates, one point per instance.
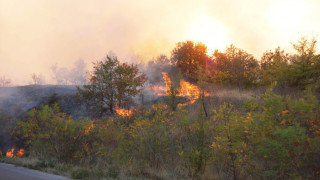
(16, 101)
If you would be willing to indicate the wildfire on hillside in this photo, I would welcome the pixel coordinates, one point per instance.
(123, 112)
(186, 89)
(10, 153)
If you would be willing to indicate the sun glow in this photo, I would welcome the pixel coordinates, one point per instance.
(208, 31)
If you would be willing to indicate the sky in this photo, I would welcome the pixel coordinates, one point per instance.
(36, 34)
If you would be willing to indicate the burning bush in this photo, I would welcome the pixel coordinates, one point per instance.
(185, 89)
(12, 153)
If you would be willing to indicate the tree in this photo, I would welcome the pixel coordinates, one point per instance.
(274, 67)
(4, 81)
(37, 79)
(77, 75)
(111, 84)
(187, 56)
(156, 66)
(304, 65)
(235, 66)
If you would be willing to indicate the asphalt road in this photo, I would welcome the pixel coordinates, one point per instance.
(11, 172)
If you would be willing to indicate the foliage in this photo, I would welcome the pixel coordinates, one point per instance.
(147, 140)
(235, 66)
(269, 137)
(49, 133)
(187, 56)
(172, 100)
(230, 144)
(272, 137)
(113, 172)
(80, 174)
(274, 67)
(304, 65)
(112, 83)
(300, 70)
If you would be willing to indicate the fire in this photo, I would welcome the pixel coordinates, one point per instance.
(158, 90)
(20, 153)
(10, 153)
(167, 80)
(186, 89)
(86, 131)
(123, 112)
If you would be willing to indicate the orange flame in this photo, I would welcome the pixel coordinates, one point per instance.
(158, 90)
(124, 112)
(186, 89)
(86, 131)
(20, 153)
(10, 153)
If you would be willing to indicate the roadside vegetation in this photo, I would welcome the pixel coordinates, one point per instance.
(273, 133)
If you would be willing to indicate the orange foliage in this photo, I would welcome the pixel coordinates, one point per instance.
(188, 90)
(124, 112)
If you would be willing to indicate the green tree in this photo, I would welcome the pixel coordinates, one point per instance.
(235, 66)
(274, 67)
(187, 56)
(111, 84)
(304, 65)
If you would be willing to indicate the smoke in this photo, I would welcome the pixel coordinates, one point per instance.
(77, 75)
(35, 34)
(4, 81)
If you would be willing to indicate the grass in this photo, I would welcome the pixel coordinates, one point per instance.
(74, 172)
(37, 164)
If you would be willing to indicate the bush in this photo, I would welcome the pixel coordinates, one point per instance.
(80, 174)
(113, 172)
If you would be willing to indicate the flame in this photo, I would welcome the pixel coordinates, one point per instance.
(186, 89)
(20, 153)
(167, 80)
(0, 153)
(10, 153)
(158, 90)
(124, 112)
(86, 131)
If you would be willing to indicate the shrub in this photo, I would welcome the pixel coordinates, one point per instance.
(80, 174)
(113, 172)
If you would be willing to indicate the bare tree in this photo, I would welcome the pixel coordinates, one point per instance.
(4, 81)
(37, 79)
(77, 75)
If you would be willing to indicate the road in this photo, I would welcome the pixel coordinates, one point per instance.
(11, 172)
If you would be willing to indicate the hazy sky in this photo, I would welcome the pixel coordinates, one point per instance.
(35, 34)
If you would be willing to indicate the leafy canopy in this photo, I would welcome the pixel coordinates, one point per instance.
(111, 84)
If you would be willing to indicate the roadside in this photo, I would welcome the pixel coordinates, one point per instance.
(32, 168)
(37, 165)
(12, 172)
